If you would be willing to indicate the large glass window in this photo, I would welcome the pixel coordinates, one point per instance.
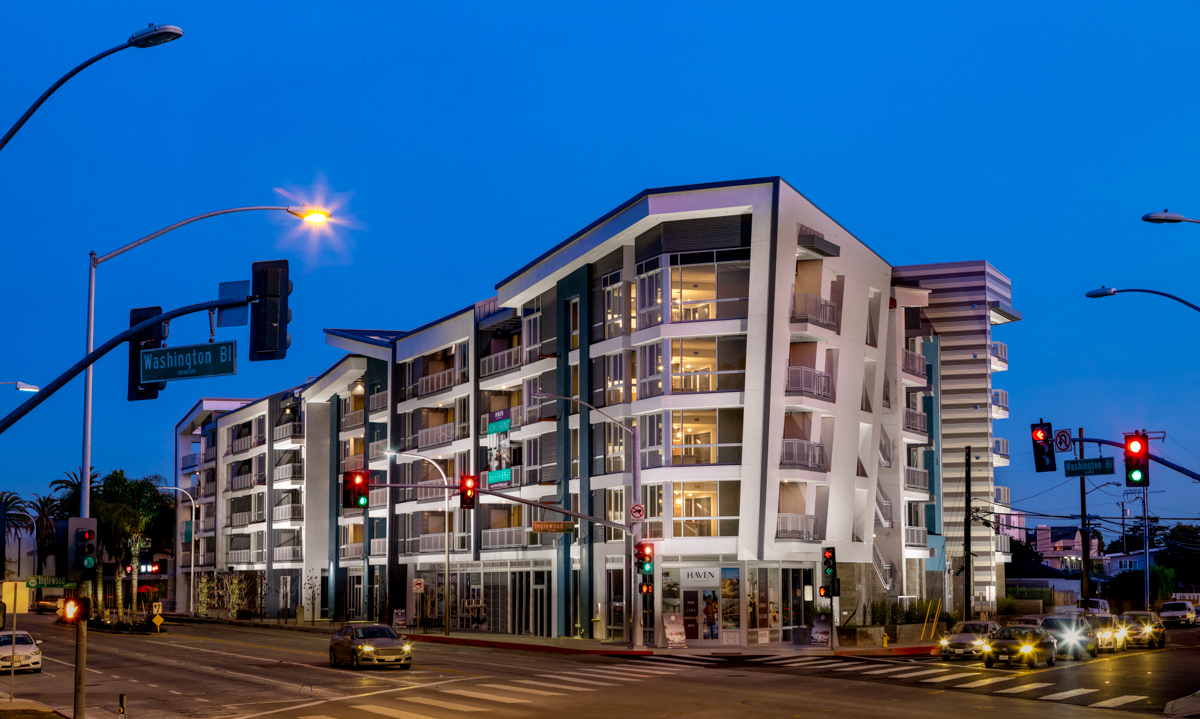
(649, 294)
(715, 291)
(652, 498)
(652, 440)
(614, 305)
(707, 509)
(573, 319)
(614, 379)
(649, 370)
(614, 511)
(614, 447)
(708, 364)
(706, 436)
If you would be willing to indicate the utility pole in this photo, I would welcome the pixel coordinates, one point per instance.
(1146, 541)
(968, 594)
(1087, 537)
(1124, 543)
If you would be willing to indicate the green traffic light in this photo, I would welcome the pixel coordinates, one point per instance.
(1136, 475)
(89, 562)
(362, 501)
(829, 571)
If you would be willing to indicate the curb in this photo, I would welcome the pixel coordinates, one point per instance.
(890, 651)
(517, 646)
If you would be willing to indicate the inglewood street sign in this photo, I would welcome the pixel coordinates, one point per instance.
(188, 362)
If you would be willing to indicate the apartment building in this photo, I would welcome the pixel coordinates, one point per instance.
(791, 388)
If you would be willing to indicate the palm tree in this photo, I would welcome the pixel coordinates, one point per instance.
(45, 513)
(16, 521)
(131, 514)
(70, 490)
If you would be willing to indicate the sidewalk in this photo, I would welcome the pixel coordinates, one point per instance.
(26, 709)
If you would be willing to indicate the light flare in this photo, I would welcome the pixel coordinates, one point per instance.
(323, 238)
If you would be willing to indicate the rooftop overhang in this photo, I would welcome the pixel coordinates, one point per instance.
(335, 379)
(376, 344)
(1001, 313)
(203, 410)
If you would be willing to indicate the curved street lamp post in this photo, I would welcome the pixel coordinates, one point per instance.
(446, 523)
(191, 549)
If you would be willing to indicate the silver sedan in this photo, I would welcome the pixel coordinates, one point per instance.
(362, 645)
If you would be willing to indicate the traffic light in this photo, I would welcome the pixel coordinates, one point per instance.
(1043, 447)
(645, 558)
(355, 494)
(81, 549)
(646, 588)
(269, 314)
(467, 484)
(829, 572)
(823, 592)
(150, 339)
(1137, 460)
(74, 609)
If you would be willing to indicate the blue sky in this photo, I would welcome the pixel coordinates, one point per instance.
(465, 139)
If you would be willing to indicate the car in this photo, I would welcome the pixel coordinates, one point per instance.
(1029, 620)
(28, 656)
(362, 645)
(1144, 628)
(1110, 633)
(47, 606)
(1073, 634)
(1180, 613)
(1020, 644)
(965, 639)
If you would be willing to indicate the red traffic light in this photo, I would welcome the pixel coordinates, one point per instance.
(1039, 435)
(1134, 444)
(154, 569)
(823, 591)
(827, 554)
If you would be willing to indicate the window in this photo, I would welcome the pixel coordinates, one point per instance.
(914, 514)
(652, 440)
(649, 294)
(649, 370)
(574, 454)
(614, 379)
(706, 436)
(531, 453)
(614, 305)
(532, 338)
(573, 318)
(708, 364)
(710, 291)
(614, 447)
(614, 511)
(707, 509)
(652, 499)
(575, 389)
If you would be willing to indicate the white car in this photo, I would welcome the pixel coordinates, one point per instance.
(26, 652)
(966, 640)
(1178, 612)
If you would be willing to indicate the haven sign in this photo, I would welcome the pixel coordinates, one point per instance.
(189, 362)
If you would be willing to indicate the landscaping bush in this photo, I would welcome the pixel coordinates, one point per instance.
(1006, 605)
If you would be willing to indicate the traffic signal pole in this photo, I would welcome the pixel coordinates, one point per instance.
(968, 594)
(1087, 537)
(81, 621)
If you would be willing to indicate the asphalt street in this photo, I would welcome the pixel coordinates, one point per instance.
(209, 671)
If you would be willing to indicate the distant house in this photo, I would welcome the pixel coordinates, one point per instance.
(1062, 547)
(1126, 561)
(1033, 574)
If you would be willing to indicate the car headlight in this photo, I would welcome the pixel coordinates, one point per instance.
(35, 652)
(977, 642)
(1026, 649)
(1106, 635)
(367, 648)
(1073, 637)
(1121, 632)
(985, 647)
(945, 642)
(408, 647)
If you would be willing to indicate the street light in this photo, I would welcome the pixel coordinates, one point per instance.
(1165, 217)
(304, 212)
(1110, 291)
(446, 586)
(635, 528)
(23, 387)
(149, 37)
(192, 549)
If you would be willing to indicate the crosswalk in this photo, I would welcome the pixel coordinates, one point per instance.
(946, 678)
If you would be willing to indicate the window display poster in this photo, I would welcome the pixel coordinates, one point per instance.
(751, 593)
(691, 614)
(398, 620)
(773, 598)
(731, 598)
(712, 613)
(673, 626)
(670, 592)
(761, 586)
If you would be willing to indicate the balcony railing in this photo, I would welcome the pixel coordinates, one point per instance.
(885, 452)
(802, 453)
(516, 418)
(500, 362)
(1000, 398)
(289, 553)
(242, 444)
(210, 453)
(378, 498)
(433, 542)
(915, 421)
(289, 471)
(353, 420)
(351, 463)
(883, 506)
(882, 568)
(796, 526)
(240, 519)
(1003, 543)
(504, 538)
(999, 350)
(435, 382)
(913, 363)
(379, 547)
(208, 524)
(915, 536)
(287, 512)
(376, 449)
(191, 460)
(245, 481)
(810, 308)
(203, 560)
(379, 401)
(432, 436)
(350, 551)
(1002, 495)
(1000, 446)
(916, 479)
(289, 430)
(208, 489)
(809, 381)
(239, 556)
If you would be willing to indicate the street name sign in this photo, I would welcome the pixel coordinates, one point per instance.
(189, 362)
(1088, 467)
(550, 527)
(40, 581)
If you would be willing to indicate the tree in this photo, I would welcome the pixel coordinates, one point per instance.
(129, 513)
(1024, 552)
(69, 490)
(312, 594)
(1181, 552)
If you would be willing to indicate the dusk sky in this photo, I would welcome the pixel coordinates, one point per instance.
(456, 143)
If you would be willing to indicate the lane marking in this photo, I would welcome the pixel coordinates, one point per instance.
(444, 705)
(628, 673)
(603, 676)
(888, 670)
(1025, 688)
(316, 716)
(1066, 695)
(641, 669)
(394, 713)
(561, 677)
(826, 664)
(485, 696)
(65, 664)
(950, 677)
(983, 682)
(922, 673)
(358, 696)
(853, 667)
(174, 692)
(536, 683)
(153, 685)
(1118, 701)
(525, 690)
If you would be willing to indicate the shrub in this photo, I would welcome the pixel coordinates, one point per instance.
(1006, 605)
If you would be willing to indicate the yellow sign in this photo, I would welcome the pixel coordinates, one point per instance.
(158, 620)
(553, 526)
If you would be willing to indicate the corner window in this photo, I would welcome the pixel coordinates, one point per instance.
(614, 511)
(708, 364)
(652, 440)
(706, 436)
(707, 509)
(649, 294)
(614, 447)
(652, 498)
(711, 291)
(649, 370)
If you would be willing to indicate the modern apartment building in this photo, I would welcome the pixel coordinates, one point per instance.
(792, 389)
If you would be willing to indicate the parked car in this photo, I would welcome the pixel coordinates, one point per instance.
(362, 645)
(1144, 628)
(1178, 612)
(1073, 634)
(1029, 620)
(1110, 633)
(28, 656)
(1020, 644)
(965, 639)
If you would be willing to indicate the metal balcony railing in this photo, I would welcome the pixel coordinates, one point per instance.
(796, 526)
(432, 436)
(915, 536)
(190, 460)
(350, 551)
(433, 542)
(435, 382)
(913, 363)
(504, 538)
(287, 512)
(204, 560)
(239, 556)
(915, 421)
(1000, 446)
(240, 519)
(379, 401)
(516, 418)
(242, 444)
(210, 453)
(289, 471)
(882, 568)
(288, 430)
(208, 489)
(289, 553)
(436, 492)
(916, 479)
(351, 463)
(244, 481)
(1000, 398)
(810, 308)
(802, 453)
(1002, 495)
(809, 381)
(999, 350)
(353, 420)
(378, 498)
(376, 449)
(883, 507)
(379, 547)
(208, 524)
(1003, 543)
(500, 362)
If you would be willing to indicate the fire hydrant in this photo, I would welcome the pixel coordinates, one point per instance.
(885, 640)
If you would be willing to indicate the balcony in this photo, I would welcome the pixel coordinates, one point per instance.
(208, 524)
(998, 356)
(433, 436)
(435, 382)
(813, 309)
(999, 452)
(516, 418)
(289, 553)
(240, 519)
(245, 481)
(804, 454)
(915, 536)
(376, 449)
(1002, 495)
(243, 444)
(796, 526)
(1004, 543)
(190, 460)
(379, 547)
(810, 382)
(885, 571)
(350, 551)
(289, 472)
(378, 402)
(433, 542)
(915, 421)
(353, 420)
(378, 498)
(287, 512)
(916, 479)
(885, 452)
(500, 362)
(239, 556)
(1000, 399)
(290, 430)
(204, 560)
(210, 454)
(912, 363)
(208, 489)
(351, 463)
(505, 538)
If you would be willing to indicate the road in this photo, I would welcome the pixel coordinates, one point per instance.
(208, 671)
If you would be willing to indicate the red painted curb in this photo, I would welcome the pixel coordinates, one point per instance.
(890, 651)
(492, 644)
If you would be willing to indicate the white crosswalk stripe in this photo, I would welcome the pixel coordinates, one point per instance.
(686, 660)
(642, 669)
(488, 697)
(626, 673)
(442, 704)
(1066, 695)
(887, 670)
(389, 712)
(951, 677)
(814, 665)
(1024, 688)
(604, 675)
(563, 677)
(854, 666)
(922, 673)
(536, 683)
(983, 682)
(523, 690)
(316, 716)
(1117, 701)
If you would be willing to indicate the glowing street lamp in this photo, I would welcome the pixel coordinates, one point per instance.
(23, 387)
